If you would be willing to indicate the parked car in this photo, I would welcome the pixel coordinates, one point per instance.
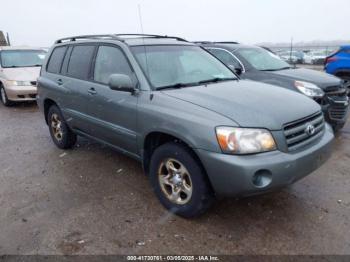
(198, 130)
(19, 70)
(293, 57)
(315, 58)
(338, 64)
(290, 57)
(255, 63)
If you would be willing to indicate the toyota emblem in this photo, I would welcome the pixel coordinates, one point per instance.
(310, 129)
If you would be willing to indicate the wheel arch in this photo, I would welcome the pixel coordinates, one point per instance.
(342, 72)
(47, 104)
(155, 139)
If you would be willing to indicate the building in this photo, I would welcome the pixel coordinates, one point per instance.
(2, 39)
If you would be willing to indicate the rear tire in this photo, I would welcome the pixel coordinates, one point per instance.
(184, 188)
(60, 133)
(5, 101)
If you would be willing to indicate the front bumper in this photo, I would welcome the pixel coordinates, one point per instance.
(336, 109)
(21, 93)
(235, 176)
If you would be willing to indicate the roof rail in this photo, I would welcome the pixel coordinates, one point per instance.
(213, 42)
(227, 42)
(74, 38)
(118, 37)
(152, 36)
(203, 42)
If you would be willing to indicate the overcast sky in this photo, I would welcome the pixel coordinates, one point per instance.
(40, 22)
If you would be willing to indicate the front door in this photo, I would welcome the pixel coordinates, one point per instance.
(115, 112)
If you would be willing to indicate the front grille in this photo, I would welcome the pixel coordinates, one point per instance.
(33, 83)
(335, 91)
(297, 134)
(332, 88)
(337, 112)
(32, 95)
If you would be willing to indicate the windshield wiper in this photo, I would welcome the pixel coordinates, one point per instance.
(212, 80)
(278, 69)
(177, 85)
(216, 79)
(14, 66)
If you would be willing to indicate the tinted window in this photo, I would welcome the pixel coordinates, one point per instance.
(110, 60)
(225, 57)
(66, 60)
(56, 58)
(79, 63)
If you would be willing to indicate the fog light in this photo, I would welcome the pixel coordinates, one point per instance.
(262, 178)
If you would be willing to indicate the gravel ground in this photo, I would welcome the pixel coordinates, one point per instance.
(93, 200)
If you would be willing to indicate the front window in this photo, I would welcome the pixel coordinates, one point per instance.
(262, 59)
(169, 65)
(225, 57)
(22, 58)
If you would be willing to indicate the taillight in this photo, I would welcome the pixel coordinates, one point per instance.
(331, 59)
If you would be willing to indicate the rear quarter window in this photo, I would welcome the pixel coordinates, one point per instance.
(80, 61)
(55, 61)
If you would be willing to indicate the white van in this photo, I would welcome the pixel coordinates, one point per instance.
(19, 70)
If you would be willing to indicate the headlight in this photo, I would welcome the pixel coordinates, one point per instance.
(309, 89)
(236, 140)
(18, 83)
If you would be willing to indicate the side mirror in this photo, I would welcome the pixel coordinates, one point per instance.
(120, 82)
(237, 70)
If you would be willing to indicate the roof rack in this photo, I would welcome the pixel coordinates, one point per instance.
(118, 37)
(213, 42)
(152, 36)
(203, 42)
(227, 42)
(74, 38)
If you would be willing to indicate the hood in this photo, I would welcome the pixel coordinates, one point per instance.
(321, 79)
(22, 73)
(249, 103)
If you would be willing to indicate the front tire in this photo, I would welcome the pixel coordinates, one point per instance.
(60, 133)
(179, 181)
(337, 128)
(5, 101)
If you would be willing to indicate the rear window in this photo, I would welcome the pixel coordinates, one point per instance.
(80, 61)
(56, 58)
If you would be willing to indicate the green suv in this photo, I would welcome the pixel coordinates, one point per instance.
(199, 131)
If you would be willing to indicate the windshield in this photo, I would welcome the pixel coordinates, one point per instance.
(22, 58)
(170, 65)
(262, 59)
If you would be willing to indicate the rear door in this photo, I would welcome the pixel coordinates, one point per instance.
(76, 73)
(114, 112)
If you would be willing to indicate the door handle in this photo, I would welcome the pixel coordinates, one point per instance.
(59, 82)
(92, 91)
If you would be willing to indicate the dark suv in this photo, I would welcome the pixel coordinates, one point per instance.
(258, 64)
(198, 130)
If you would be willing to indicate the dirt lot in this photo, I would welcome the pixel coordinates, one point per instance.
(92, 200)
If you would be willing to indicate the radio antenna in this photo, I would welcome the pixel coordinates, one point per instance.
(143, 39)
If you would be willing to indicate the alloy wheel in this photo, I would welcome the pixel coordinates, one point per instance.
(175, 181)
(56, 126)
